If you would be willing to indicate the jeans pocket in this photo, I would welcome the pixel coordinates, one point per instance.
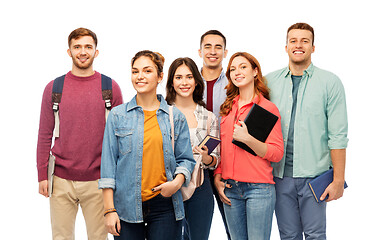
(163, 197)
(260, 185)
(263, 190)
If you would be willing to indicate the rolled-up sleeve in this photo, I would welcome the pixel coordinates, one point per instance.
(337, 116)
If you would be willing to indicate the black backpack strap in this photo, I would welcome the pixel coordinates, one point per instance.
(57, 92)
(56, 99)
(107, 92)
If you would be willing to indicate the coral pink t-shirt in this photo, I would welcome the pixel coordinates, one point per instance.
(240, 165)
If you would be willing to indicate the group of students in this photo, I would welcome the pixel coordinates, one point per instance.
(129, 183)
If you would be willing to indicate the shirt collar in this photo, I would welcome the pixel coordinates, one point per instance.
(255, 99)
(222, 75)
(308, 71)
(163, 105)
(198, 111)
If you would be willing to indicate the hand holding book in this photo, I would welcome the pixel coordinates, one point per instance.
(334, 191)
(241, 134)
(319, 185)
(210, 142)
(206, 158)
(260, 123)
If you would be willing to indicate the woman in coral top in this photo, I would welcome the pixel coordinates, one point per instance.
(244, 181)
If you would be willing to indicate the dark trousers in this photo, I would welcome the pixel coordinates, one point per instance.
(159, 222)
(199, 210)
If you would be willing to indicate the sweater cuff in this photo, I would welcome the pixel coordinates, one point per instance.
(42, 173)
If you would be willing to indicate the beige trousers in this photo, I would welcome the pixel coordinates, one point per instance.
(64, 203)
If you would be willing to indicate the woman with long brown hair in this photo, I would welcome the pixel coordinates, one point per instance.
(244, 181)
(185, 89)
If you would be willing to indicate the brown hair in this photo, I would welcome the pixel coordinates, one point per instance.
(199, 88)
(156, 58)
(260, 86)
(213, 32)
(81, 32)
(301, 26)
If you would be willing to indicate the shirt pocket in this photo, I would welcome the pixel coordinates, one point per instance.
(314, 102)
(124, 138)
(315, 107)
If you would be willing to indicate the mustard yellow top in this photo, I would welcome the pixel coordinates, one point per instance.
(153, 166)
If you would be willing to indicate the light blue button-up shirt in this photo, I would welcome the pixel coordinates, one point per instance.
(121, 166)
(219, 92)
(321, 119)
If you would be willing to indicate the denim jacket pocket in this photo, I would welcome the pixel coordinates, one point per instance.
(124, 138)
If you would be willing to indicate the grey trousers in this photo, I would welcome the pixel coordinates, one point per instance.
(297, 212)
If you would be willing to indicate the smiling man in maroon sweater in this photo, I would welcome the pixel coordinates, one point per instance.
(78, 148)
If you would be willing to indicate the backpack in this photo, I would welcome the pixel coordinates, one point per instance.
(57, 97)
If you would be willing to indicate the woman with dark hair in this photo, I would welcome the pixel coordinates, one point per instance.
(184, 89)
(141, 170)
(244, 181)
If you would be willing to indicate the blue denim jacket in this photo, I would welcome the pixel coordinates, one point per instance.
(121, 167)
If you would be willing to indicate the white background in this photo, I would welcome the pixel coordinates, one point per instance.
(33, 44)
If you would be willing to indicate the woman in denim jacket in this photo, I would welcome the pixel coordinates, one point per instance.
(185, 89)
(141, 174)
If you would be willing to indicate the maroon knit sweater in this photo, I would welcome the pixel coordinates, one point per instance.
(82, 121)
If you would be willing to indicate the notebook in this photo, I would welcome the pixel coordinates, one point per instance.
(210, 142)
(319, 184)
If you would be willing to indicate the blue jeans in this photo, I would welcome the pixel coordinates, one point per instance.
(159, 222)
(251, 211)
(297, 212)
(199, 210)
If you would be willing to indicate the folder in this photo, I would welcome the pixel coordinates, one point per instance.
(260, 123)
(51, 166)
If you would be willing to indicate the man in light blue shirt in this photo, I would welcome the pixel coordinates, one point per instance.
(213, 51)
(314, 125)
